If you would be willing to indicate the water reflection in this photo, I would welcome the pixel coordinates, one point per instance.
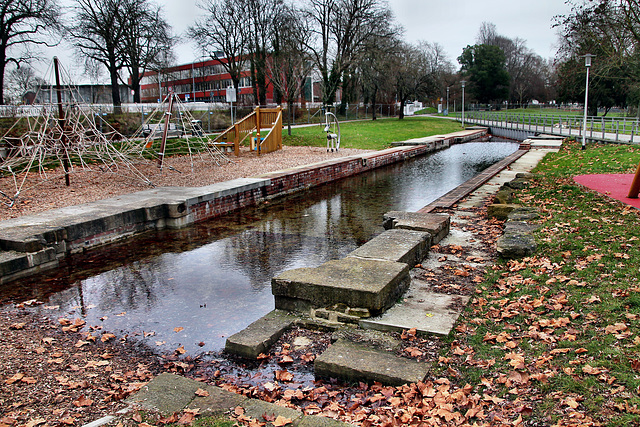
(213, 279)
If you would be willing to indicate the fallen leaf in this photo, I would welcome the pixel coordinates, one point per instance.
(107, 337)
(281, 421)
(83, 401)
(178, 329)
(15, 378)
(284, 376)
(202, 393)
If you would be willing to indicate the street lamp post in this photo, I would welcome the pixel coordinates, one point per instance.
(587, 63)
(447, 100)
(463, 82)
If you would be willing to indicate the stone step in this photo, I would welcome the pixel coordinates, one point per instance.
(428, 312)
(169, 393)
(358, 283)
(259, 336)
(435, 224)
(398, 245)
(356, 362)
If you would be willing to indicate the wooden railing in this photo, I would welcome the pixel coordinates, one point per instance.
(267, 118)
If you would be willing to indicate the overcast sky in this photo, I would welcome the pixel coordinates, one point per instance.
(452, 24)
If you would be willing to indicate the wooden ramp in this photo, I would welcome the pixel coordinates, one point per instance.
(266, 122)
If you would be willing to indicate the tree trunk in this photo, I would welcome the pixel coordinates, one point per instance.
(401, 112)
(373, 103)
(3, 67)
(115, 90)
(135, 85)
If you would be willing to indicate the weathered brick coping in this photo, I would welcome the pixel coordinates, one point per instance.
(32, 243)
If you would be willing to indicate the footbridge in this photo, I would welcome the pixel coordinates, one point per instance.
(621, 130)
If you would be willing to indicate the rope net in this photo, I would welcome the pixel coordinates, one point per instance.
(38, 146)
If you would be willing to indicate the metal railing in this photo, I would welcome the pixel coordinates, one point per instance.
(607, 129)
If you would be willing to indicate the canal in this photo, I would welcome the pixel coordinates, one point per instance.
(194, 287)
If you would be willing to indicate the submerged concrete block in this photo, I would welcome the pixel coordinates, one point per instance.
(364, 283)
(355, 362)
(435, 224)
(259, 336)
(398, 245)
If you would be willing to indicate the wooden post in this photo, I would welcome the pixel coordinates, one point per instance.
(258, 125)
(62, 124)
(635, 185)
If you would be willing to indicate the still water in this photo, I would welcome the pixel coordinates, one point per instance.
(193, 288)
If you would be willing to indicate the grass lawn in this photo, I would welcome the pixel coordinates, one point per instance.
(557, 335)
(372, 135)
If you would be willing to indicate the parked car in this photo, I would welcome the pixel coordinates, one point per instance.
(156, 130)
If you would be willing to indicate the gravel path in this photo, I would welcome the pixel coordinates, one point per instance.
(88, 186)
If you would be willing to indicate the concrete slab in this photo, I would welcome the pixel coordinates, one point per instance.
(428, 312)
(258, 409)
(219, 401)
(318, 421)
(356, 362)
(362, 283)
(399, 245)
(166, 393)
(259, 336)
(435, 224)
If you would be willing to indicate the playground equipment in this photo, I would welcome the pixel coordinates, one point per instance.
(70, 135)
(261, 118)
(332, 128)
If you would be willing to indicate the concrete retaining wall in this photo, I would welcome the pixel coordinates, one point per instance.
(27, 243)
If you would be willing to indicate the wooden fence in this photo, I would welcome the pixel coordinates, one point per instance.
(259, 119)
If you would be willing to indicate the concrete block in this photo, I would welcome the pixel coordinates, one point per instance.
(399, 245)
(166, 393)
(12, 262)
(365, 283)
(319, 421)
(515, 245)
(355, 362)
(500, 211)
(258, 409)
(428, 312)
(259, 336)
(435, 224)
(219, 401)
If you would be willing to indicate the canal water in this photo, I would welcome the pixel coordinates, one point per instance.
(192, 288)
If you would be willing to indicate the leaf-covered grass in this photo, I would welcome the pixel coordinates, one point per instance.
(372, 135)
(560, 331)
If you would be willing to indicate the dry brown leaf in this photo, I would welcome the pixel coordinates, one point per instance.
(202, 393)
(178, 329)
(15, 378)
(281, 421)
(83, 401)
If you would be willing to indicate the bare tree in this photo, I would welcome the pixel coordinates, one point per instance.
(289, 64)
(339, 31)
(262, 19)
(414, 77)
(22, 80)
(377, 67)
(98, 35)
(146, 39)
(220, 33)
(21, 24)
